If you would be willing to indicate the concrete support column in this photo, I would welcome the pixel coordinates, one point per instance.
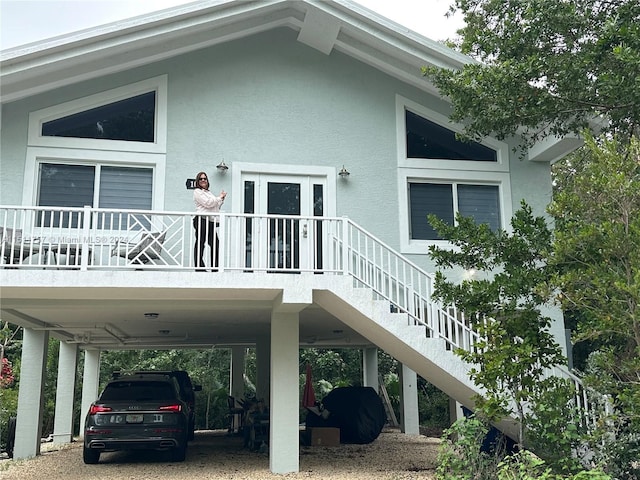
(236, 387)
(370, 368)
(284, 404)
(455, 410)
(409, 418)
(65, 389)
(30, 394)
(90, 383)
(263, 368)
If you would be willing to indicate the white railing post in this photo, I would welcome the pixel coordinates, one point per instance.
(85, 242)
(222, 242)
(346, 246)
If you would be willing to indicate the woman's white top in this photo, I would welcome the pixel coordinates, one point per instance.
(207, 203)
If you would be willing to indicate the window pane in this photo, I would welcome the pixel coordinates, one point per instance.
(481, 202)
(122, 187)
(426, 139)
(125, 188)
(427, 198)
(64, 186)
(132, 119)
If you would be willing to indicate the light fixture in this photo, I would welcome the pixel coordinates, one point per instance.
(222, 167)
(344, 173)
(151, 315)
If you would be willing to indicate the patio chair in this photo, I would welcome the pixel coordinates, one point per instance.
(146, 250)
(14, 248)
(235, 415)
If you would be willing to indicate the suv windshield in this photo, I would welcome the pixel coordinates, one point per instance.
(139, 391)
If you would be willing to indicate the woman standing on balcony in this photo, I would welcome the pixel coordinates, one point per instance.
(206, 222)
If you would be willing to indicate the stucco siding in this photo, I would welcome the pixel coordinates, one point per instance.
(271, 99)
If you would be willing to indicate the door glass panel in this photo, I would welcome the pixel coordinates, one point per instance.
(249, 207)
(284, 242)
(318, 211)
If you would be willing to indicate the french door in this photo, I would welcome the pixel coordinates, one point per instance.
(280, 243)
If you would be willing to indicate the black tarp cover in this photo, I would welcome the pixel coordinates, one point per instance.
(357, 411)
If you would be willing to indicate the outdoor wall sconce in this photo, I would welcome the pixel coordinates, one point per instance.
(344, 173)
(222, 167)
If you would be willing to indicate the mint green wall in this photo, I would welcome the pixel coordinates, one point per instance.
(271, 99)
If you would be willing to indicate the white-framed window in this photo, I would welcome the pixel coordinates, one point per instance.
(441, 175)
(132, 118)
(95, 184)
(445, 199)
(106, 150)
(427, 139)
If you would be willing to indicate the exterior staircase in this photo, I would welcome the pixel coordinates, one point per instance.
(429, 356)
(356, 277)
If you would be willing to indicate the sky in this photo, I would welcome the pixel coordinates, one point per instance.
(27, 21)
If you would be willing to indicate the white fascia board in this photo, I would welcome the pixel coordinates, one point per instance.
(91, 53)
(552, 149)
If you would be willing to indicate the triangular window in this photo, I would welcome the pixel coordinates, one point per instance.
(426, 139)
(131, 119)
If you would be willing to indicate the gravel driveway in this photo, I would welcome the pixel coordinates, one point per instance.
(215, 455)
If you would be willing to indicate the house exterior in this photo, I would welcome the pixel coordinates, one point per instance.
(104, 130)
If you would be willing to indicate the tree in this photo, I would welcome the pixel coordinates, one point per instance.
(546, 67)
(516, 345)
(597, 252)
(556, 67)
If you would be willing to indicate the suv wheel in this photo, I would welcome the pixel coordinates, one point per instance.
(192, 431)
(180, 453)
(90, 456)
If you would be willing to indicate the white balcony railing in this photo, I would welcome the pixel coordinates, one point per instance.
(98, 239)
(102, 239)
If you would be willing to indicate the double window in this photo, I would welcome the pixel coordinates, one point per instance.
(107, 150)
(481, 202)
(103, 186)
(443, 175)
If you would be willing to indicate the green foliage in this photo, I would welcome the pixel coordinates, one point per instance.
(555, 432)
(504, 308)
(526, 466)
(549, 67)
(208, 368)
(433, 406)
(597, 253)
(8, 408)
(460, 456)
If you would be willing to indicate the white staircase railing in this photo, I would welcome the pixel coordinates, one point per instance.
(409, 289)
(92, 239)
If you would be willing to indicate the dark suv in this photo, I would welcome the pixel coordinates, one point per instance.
(187, 391)
(137, 412)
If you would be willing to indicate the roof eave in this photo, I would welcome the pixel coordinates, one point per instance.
(341, 24)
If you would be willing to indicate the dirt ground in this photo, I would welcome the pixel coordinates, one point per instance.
(215, 455)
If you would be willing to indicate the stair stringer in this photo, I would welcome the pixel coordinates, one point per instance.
(407, 343)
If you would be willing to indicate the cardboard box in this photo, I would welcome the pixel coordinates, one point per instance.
(323, 436)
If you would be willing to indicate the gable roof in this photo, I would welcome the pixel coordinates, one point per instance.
(340, 25)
